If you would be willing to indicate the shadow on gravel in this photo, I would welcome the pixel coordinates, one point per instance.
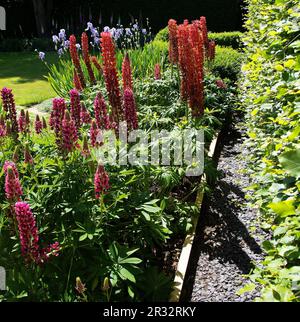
(220, 232)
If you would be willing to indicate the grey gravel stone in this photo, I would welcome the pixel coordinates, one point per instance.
(228, 245)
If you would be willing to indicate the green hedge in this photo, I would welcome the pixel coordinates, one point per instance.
(270, 92)
(227, 63)
(163, 34)
(228, 38)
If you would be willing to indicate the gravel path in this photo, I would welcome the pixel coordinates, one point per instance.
(228, 241)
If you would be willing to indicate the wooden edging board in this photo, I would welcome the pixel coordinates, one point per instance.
(188, 242)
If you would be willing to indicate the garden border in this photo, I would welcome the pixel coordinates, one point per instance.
(189, 239)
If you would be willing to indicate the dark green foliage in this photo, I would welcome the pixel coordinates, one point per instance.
(227, 63)
(227, 39)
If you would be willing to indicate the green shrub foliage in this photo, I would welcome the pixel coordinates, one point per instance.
(270, 92)
(227, 39)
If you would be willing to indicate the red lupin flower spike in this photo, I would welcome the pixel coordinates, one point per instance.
(28, 232)
(157, 73)
(101, 115)
(76, 61)
(75, 107)
(130, 110)
(203, 27)
(85, 115)
(22, 122)
(38, 125)
(86, 56)
(111, 76)
(69, 133)
(13, 189)
(95, 135)
(101, 181)
(76, 82)
(173, 41)
(97, 64)
(126, 73)
(9, 107)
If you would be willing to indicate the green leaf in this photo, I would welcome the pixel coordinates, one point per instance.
(247, 288)
(290, 161)
(83, 237)
(130, 260)
(283, 208)
(127, 275)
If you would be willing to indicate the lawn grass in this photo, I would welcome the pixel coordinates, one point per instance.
(25, 73)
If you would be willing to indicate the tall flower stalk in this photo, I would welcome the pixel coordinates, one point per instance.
(126, 73)
(69, 133)
(9, 107)
(111, 76)
(173, 41)
(86, 57)
(101, 181)
(101, 115)
(75, 107)
(76, 61)
(130, 110)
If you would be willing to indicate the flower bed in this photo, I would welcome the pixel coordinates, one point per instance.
(76, 228)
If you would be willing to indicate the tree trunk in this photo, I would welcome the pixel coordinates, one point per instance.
(42, 12)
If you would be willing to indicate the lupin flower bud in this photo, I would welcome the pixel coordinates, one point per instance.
(27, 155)
(57, 115)
(85, 115)
(95, 135)
(157, 73)
(101, 115)
(38, 125)
(27, 118)
(76, 61)
(9, 108)
(28, 232)
(2, 126)
(13, 189)
(80, 287)
(86, 57)
(97, 64)
(105, 286)
(76, 82)
(212, 50)
(101, 181)
(126, 73)
(75, 107)
(85, 147)
(15, 156)
(130, 110)
(69, 133)
(44, 123)
(22, 122)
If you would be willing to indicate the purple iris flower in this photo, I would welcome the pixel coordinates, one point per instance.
(55, 39)
(89, 26)
(62, 34)
(42, 55)
(60, 52)
(67, 44)
(128, 32)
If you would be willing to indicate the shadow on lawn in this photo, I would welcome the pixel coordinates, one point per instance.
(27, 67)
